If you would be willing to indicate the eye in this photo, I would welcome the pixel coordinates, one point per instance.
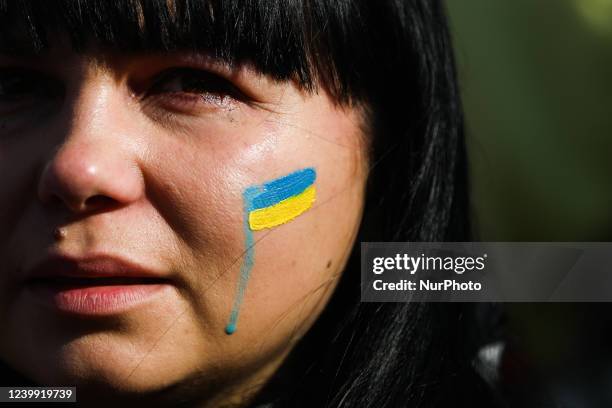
(22, 87)
(186, 88)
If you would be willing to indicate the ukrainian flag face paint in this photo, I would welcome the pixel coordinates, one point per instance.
(267, 206)
(281, 200)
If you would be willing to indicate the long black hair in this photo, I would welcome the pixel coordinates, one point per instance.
(395, 58)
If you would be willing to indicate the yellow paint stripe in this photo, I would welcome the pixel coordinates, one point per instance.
(282, 212)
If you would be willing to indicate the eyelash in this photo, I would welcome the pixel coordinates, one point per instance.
(179, 90)
(188, 90)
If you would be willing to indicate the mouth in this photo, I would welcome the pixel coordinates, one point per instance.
(70, 282)
(93, 287)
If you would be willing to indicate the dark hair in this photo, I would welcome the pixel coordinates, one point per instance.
(395, 58)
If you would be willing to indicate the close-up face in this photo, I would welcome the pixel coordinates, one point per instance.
(167, 218)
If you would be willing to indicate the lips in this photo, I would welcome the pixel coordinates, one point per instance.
(94, 285)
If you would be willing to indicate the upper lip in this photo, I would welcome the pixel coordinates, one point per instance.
(94, 266)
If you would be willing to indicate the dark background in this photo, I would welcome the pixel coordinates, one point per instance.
(536, 77)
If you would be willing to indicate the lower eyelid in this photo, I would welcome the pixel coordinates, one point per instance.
(187, 104)
(196, 99)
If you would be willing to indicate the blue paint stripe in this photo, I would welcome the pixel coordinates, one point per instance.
(275, 191)
(255, 198)
(245, 268)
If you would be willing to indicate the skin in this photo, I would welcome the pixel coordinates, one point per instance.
(153, 171)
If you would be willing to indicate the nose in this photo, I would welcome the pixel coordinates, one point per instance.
(95, 168)
(87, 177)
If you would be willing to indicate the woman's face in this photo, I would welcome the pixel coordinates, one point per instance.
(145, 159)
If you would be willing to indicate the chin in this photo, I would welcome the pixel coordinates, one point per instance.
(114, 370)
(101, 383)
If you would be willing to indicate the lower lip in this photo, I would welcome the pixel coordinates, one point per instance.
(96, 300)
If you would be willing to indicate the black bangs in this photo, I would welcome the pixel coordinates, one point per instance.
(310, 41)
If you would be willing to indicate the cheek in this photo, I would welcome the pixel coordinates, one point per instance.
(18, 182)
(198, 194)
(20, 219)
(295, 265)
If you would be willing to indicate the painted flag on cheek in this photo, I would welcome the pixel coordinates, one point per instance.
(266, 206)
(281, 200)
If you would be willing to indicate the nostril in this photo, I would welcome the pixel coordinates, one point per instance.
(99, 201)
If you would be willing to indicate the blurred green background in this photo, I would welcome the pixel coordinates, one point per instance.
(536, 77)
